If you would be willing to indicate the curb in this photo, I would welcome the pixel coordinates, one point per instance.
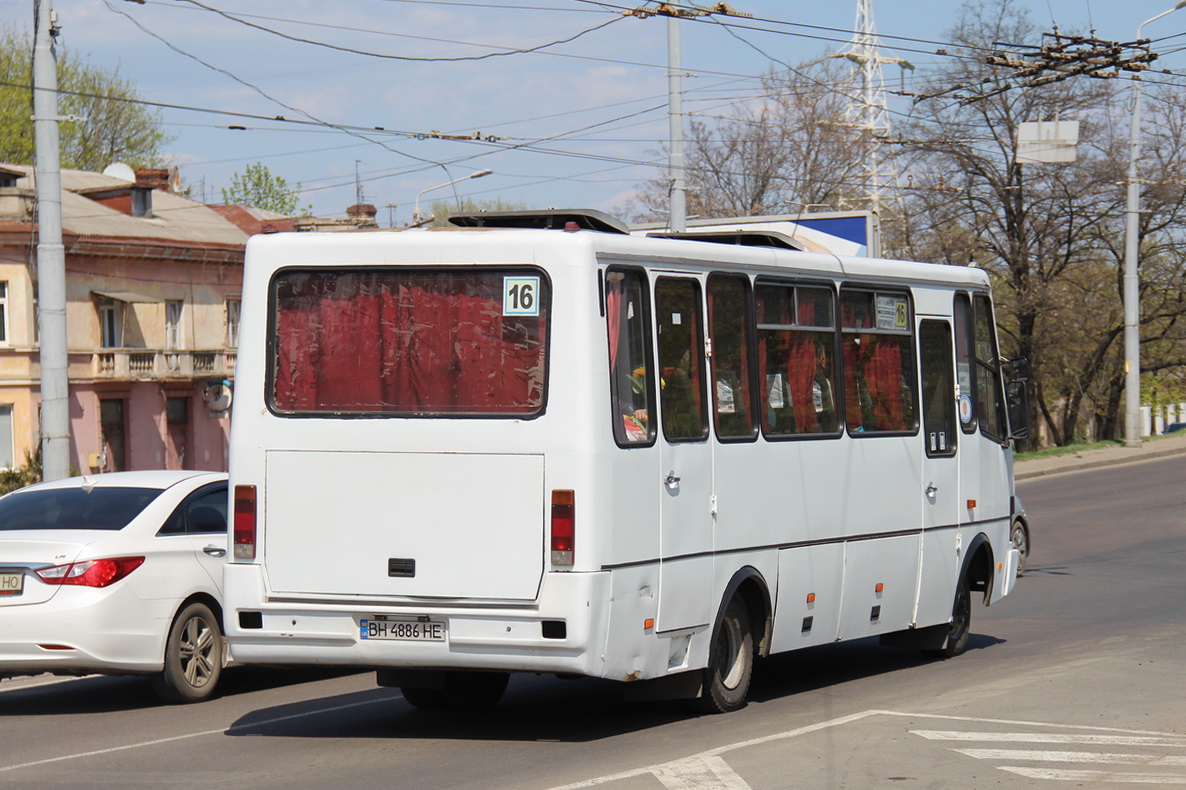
(1117, 457)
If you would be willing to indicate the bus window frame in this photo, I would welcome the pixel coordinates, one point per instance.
(982, 303)
(951, 413)
(837, 363)
(699, 326)
(272, 339)
(748, 340)
(645, 297)
(911, 346)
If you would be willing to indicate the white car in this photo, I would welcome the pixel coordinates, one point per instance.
(117, 573)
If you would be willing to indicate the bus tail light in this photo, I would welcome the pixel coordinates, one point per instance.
(244, 522)
(563, 527)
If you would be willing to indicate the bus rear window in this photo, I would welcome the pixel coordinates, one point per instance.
(412, 342)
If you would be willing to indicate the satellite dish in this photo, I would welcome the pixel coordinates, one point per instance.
(121, 171)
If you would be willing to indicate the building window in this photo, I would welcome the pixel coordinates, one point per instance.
(173, 325)
(111, 424)
(177, 411)
(6, 449)
(111, 323)
(177, 416)
(232, 323)
(3, 311)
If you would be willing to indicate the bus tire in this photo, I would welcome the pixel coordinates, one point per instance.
(730, 662)
(194, 655)
(460, 691)
(960, 628)
(1020, 537)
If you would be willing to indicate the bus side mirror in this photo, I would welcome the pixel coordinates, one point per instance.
(1018, 403)
(1018, 369)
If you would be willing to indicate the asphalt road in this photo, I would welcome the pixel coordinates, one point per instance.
(1075, 681)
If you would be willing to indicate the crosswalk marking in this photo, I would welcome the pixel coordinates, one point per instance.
(1092, 777)
(1152, 760)
(1072, 757)
(1052, 737)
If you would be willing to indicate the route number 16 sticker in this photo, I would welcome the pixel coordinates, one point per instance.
(520, 296)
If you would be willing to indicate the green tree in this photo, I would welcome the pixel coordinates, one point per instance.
(112, 127)
(258, 187)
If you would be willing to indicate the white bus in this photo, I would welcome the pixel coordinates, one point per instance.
(556, 447)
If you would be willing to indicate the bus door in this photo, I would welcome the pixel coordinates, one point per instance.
(684, 483)
(941, 505)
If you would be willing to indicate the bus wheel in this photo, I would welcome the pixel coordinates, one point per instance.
(461, 691)
(961, 624)
(1021, 542)
(730, 662)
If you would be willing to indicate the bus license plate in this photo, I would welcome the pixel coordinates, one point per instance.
(403, 630)
(11, 583)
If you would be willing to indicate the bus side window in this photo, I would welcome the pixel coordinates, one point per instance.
(938, 388)
(962, 316)
(629, 331)
(796, 359)
(879, 370)
(988, 372)
(729, 320)
(681, 359)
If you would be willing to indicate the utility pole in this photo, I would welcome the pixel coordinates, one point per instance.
(678, 202)
(51, 255)
(678, 219)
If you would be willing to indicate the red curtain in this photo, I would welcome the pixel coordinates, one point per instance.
(883, 373)
(801, 375)
(408, 349)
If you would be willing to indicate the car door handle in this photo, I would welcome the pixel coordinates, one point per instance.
(672, 480)
(215, 551)
(931, 490)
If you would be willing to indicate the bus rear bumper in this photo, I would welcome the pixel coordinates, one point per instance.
(556, 633)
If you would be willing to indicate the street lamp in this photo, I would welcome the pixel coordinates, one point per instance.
(478, 174)
(1132, 308)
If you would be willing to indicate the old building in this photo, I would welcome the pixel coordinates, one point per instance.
(152, 290)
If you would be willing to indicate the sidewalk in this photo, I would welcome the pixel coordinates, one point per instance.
(1174, 444)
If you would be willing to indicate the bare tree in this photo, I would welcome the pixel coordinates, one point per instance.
(1048, 232)
(781, 153)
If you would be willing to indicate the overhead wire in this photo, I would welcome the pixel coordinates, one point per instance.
(529, 144)
(387, 56)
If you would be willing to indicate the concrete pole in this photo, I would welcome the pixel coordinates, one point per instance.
(675, 117)
(51, 255)
(1132, 309)
(1132, 291)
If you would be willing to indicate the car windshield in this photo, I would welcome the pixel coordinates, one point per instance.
(74, 508)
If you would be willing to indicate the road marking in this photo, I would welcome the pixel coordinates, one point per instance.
(1095, 738)
(37, 681)
(1093, 777)
(1051, 737)
(188, 735)
(695, 771)
(1072, 757)
(699, 773)
(672, 766)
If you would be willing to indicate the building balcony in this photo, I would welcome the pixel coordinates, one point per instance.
(138, 364)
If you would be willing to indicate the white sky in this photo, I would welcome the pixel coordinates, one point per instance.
(577, 122)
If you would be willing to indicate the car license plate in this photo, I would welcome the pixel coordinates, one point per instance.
(11, 583)
(402, 630)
